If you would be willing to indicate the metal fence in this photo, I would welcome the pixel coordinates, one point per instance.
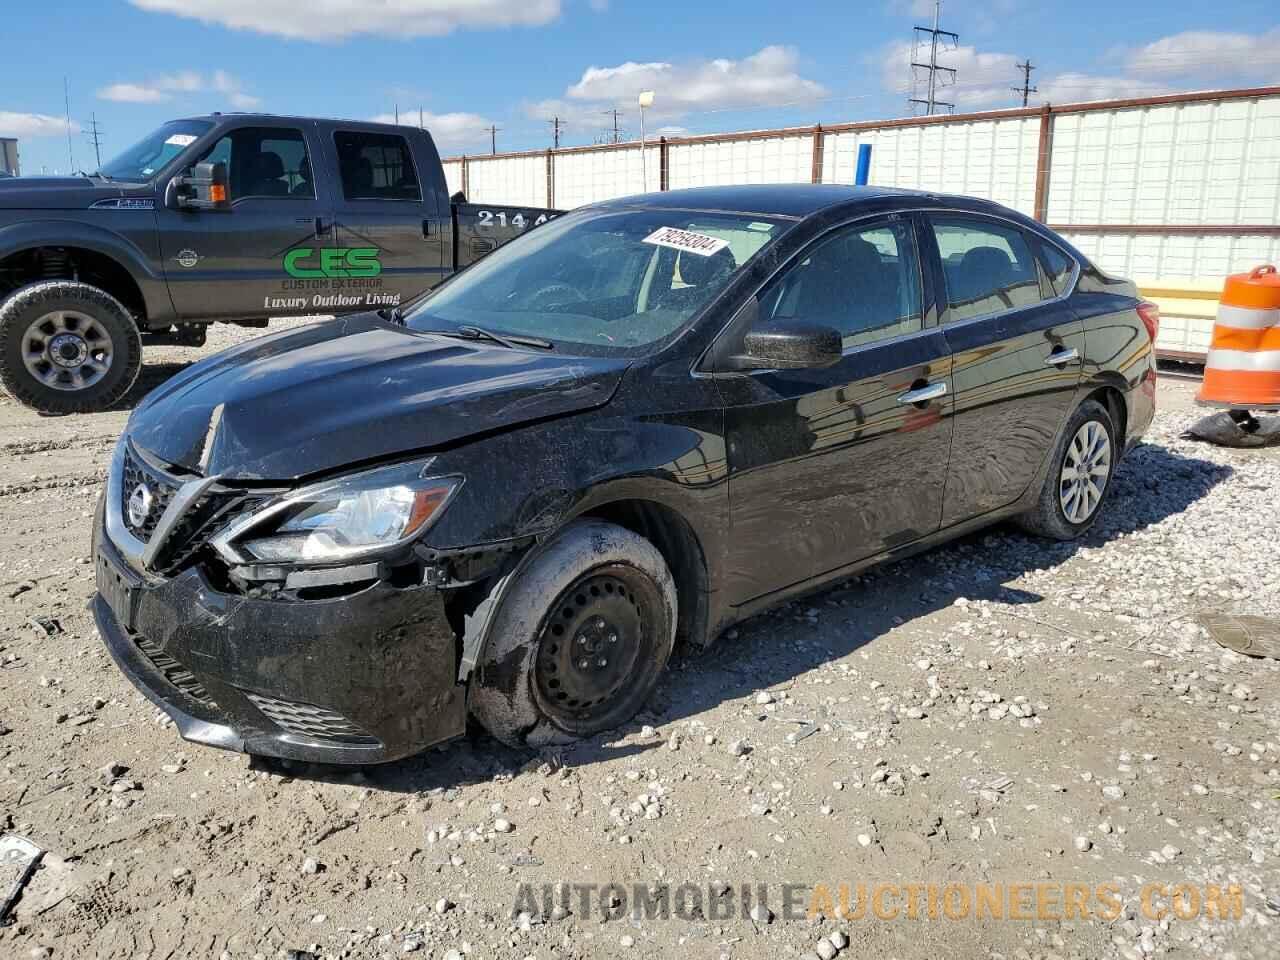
(1184, 187)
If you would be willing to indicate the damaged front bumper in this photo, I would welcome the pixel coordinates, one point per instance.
(363, 678)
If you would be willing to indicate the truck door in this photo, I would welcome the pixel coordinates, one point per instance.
(387, 215)
(239, 262)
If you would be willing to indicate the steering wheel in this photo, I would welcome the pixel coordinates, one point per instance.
(540, 297)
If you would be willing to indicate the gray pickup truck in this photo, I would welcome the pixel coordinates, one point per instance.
(231, 218)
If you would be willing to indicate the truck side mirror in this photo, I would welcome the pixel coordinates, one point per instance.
(203, 188)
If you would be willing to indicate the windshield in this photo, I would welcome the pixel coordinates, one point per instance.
(608, 281)
(153, 152)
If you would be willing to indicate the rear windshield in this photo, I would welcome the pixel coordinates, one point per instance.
(153, 152)
(603, 281)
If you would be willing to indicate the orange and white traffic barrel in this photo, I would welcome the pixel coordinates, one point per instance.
(1242, 370)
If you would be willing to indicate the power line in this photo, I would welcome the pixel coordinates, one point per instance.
(1026, 89)
(95, 137)
(930, 101)
(556, 124)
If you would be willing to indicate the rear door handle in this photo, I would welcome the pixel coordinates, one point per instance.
(1060, 356)
(930, 391)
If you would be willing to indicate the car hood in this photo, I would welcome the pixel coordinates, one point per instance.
(343, 392)
(63, 193)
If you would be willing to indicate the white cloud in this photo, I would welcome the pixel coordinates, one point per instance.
(1081, 87)
(450, 131)
(987, 80)
(34, 125)
(168, 85)
(766, 78)
(339, 19)
(1207, 52)
(132, 93)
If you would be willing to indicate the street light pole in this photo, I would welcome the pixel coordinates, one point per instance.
(645, 101)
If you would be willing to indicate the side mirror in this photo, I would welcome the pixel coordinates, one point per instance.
(203, 188)
(791, 344)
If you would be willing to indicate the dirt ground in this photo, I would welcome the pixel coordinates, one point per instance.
(998, 712)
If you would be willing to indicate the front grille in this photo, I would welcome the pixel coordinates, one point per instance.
(311, 721)
(137, 473)
(178, 675)
(201, 519)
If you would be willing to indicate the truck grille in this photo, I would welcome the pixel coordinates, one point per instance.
(308, 720)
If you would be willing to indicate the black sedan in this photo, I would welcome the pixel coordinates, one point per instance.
(632, 427)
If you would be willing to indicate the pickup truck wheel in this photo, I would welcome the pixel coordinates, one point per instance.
(67, 347)
(1079, 477)
(579, 640)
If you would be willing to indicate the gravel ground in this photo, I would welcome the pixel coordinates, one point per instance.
(997, 711)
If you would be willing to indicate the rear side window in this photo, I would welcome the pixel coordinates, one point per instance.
(988, 267)
(863, 281)
(376, 166)
(1058, 266)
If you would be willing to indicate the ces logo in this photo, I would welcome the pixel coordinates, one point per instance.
(306, 263)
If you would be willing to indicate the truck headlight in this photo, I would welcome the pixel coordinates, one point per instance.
(344, 519)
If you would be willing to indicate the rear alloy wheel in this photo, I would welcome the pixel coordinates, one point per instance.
(1085, 472)
(587, 660)
(67, 347)
(1079, 477)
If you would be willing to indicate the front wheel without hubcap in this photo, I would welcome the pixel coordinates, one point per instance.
(588, 660)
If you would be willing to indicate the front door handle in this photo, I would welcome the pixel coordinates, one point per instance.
(930, 391)
(1061, 356)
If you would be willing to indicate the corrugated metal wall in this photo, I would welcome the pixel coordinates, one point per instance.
(1129, 182)
(995, 159)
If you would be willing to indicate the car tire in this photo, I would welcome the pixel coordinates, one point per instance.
(67, 347)
(1079, 479)
(579, 638)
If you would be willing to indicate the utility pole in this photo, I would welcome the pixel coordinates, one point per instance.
(556, 124)
(493, 140)
(930, 101)
(1026, 89)
(615, 114)
(66, 99)
(95, 137)
(397, 114)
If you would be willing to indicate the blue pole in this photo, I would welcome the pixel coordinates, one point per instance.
(864, 165)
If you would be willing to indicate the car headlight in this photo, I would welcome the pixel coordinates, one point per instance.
(344, 519)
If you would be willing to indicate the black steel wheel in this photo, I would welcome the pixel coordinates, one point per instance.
(594, 636)
(588, 659)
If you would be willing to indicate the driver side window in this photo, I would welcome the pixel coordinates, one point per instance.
(264, 162)
(864, 281)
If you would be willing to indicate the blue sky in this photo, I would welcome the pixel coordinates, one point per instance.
(514, 63)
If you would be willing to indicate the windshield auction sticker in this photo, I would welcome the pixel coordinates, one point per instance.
(699, 243)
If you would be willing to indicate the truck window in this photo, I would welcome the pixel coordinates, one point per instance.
(376, 166)
(264, 162)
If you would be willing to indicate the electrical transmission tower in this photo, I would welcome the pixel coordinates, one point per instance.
(935, 76)
(616, 135)
(556, 124)
(94, 133)
(1026, 89)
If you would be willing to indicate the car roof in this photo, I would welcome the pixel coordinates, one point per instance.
(776, 199)
(278, 117)
(801, 200)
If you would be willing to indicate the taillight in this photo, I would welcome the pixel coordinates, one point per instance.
(1150, 314)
